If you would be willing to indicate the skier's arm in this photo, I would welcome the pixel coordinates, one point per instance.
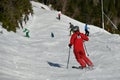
(72, 40)
(84, 37)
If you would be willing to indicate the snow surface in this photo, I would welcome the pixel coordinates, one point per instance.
(42, 57)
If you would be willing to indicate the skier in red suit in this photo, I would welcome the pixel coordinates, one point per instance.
(77, 40)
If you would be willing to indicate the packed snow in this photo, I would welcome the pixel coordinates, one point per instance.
(42, 57)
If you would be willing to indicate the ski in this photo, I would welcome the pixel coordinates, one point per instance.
(86, 68)
(77, 67)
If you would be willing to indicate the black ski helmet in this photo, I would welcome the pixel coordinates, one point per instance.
(76, 28)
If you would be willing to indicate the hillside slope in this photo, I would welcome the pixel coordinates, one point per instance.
(41, 57)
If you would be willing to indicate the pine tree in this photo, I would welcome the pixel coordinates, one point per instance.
(11, 11)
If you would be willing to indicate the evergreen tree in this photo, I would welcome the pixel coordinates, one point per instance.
(89, 11)
(11, 11)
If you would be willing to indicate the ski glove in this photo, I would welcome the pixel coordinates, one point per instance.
(69, 45)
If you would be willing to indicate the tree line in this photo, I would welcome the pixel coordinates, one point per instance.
(12, 11)
(89, 11)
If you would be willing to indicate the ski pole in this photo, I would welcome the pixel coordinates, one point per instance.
(86, 49)
(68, 59)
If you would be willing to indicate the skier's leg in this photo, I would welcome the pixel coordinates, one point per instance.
(87, 33)
(87, 60)
(70, 32)
(79, 59)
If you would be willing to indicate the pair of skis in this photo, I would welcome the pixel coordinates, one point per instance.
(79, 67)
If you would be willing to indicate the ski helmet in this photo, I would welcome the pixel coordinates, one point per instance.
(76, 28)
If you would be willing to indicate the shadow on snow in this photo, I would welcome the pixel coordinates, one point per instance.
(54, 64)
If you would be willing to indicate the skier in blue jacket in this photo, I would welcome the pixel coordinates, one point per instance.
(86, 30)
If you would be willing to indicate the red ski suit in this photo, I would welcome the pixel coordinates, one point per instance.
(79, 51)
